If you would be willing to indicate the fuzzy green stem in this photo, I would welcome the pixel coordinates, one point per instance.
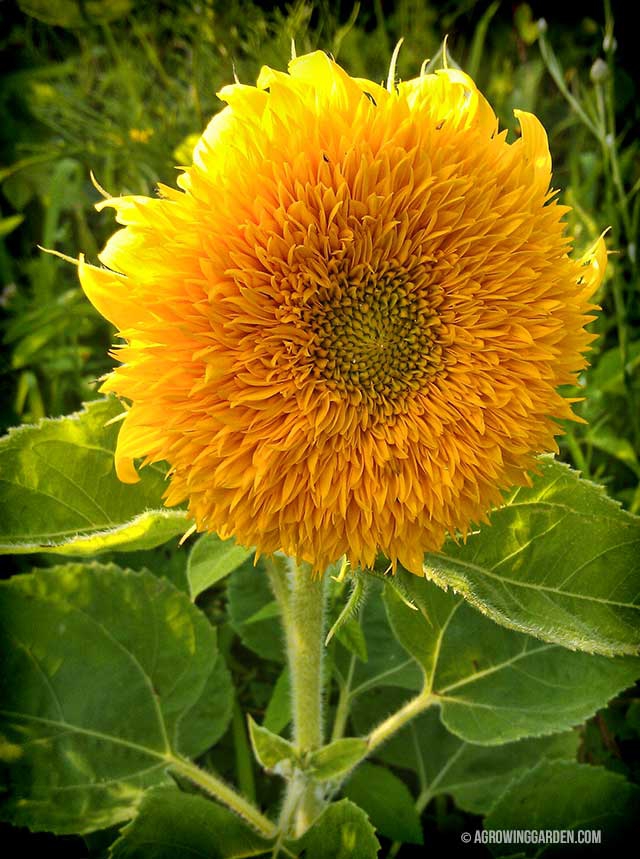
(399, 719)
(225, 794)
(305, 648)
(394, 723)
(301, 598)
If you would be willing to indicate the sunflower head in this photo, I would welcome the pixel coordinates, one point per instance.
(346, 331)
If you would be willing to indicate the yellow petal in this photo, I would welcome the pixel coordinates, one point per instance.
(452, 94)
(535, 144)
(125, 469)
(107, 291)
(121, 250)
(594, 264)
(323, 73)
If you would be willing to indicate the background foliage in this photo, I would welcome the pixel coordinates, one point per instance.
(120, 89)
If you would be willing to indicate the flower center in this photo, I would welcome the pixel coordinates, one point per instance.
(374, 337)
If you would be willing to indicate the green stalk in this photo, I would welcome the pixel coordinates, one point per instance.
(301, 597)
(222, 792)
(399, 719)
(305, 648)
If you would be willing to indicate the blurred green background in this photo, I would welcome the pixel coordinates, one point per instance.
(121, 88)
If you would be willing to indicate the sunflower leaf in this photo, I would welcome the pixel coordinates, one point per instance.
(495, 685)
(565, 795)
(559, 561)
(175, 825)
(351, 636)
(210, 560)
(61, 493)
(106, 676)
(342, 830)
(387, 801)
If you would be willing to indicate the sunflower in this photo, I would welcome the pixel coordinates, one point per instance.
(346, 330)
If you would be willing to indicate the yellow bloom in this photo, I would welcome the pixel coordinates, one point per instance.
(346, 331)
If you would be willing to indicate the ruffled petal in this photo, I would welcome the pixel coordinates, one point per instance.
(109, 294)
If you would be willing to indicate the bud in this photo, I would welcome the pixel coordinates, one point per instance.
(599, 71)
(542, 26)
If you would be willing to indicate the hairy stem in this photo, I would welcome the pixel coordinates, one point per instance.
(394, 723)
(304, 628)
(399, 719)
(301, 599)
(225, 794)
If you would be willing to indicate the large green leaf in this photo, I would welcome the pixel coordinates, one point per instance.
(205, 723)
(342, 831)
(210, 560)
(563, 795)
(106, 677)
(175, 825)
(559, 561)
(474, 775)
(61, 493)
(387, 801)
(493, 684)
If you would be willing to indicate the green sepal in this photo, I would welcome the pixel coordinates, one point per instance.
(337, 758)
(273, 753)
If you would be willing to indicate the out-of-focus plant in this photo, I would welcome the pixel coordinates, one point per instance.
(604, 172)
(118, 92)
